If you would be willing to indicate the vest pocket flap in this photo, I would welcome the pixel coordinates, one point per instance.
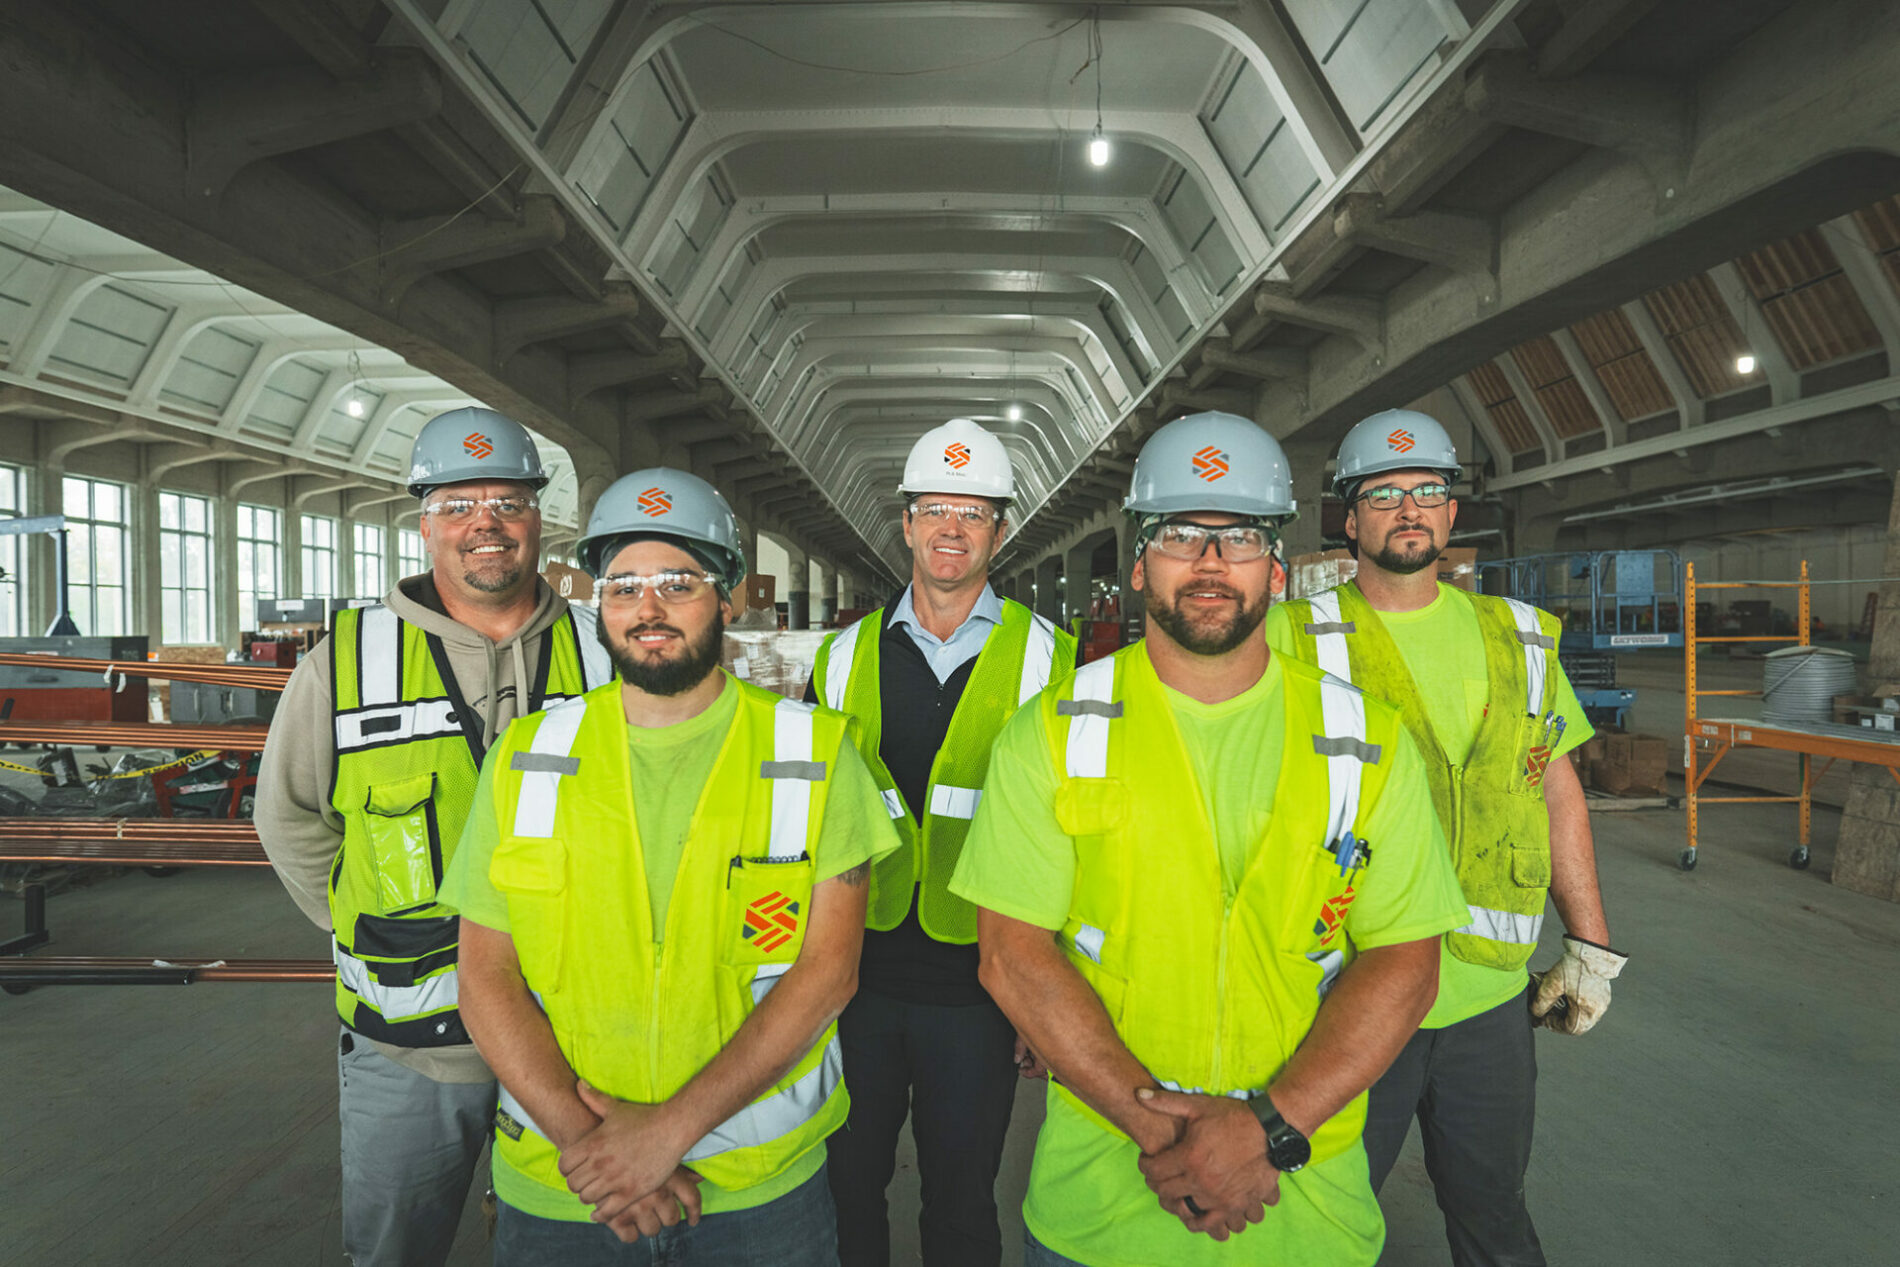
(1091, 807)
(399, 821)
(400, 798)
(528, 865)
(1530, 867)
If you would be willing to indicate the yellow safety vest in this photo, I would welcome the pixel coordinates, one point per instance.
(407, 759)
(638, 1015)
(1213, 996)
(1020, 657)
(1492, 807)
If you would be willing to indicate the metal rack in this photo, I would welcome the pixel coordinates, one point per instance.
(1727, 734)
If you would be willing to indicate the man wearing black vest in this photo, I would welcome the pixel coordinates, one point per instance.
(931, 680)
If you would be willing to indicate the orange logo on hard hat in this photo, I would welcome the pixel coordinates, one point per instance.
(1210, 464)
(656, 501)
(957, 456)
(771, 921)
(479, 446)
(1401, 441)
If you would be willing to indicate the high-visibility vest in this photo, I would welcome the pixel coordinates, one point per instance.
(1020, 657)
(407, 758)
(1492, 807)
(637, 1015)
(1213, 994)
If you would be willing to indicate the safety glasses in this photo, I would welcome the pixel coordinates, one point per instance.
(672, 588)
(1235, 543)
(512, 508)
(1388, 497)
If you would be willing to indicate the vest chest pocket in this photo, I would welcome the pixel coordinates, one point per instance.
(1091, 807)
(532, 874)
(767, 904)
(404, 844)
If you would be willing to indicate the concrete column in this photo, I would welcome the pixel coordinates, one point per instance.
(1867, 859)
(749, 542)
(293, 549)
(1076, 590)
(1049, 587)
(144, 592)
(797, 589)
(44, 496)
(224, 570)
(1307, 458)
(827, 592)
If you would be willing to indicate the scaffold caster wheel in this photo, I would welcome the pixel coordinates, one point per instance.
(1799, 858)
(1686, 860)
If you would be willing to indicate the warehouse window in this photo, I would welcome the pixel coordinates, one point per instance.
(370, 568)
(184, 568)
(410, 560)
(12, 557)
(95, 536)
(319, 556)
(260, 533)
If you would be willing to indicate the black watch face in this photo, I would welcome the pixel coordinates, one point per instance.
(1288, 1150)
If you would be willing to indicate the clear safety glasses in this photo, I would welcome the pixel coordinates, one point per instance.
(1387, 497)
(671, 588)
(510, 509)
(1235, 543)
(939, 513)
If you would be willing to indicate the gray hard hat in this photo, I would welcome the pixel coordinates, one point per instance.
(472, 443)
(1212, 461)
(1394, 440)
(662, 502)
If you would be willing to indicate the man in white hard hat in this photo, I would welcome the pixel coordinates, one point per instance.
(1479, 684)
(1211, 892)
(931, 679)
(368, 773)
(662, 890)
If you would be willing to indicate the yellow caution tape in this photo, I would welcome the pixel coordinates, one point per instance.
(201, 755)
(23, 769)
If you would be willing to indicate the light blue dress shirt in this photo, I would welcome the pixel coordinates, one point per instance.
(946, 655)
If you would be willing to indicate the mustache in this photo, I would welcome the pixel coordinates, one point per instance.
(477, 543)
(1209, 587)
(637, 630)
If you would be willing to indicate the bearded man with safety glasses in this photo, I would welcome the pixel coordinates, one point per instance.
(1479, 684)
(1210, 892)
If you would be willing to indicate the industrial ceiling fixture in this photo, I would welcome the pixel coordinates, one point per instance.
(1098, 144)
(1745, 360)
(354, 405)
(1014, 413)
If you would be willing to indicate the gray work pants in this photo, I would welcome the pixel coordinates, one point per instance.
(410, 1147)
(1473, 1088)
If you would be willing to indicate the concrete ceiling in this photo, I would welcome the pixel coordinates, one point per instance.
(773, 242)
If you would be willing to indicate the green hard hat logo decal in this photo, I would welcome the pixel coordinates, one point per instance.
(1211, 463)
(656, 501)
(479, 446)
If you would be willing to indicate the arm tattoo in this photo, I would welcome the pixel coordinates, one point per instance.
(857, 875)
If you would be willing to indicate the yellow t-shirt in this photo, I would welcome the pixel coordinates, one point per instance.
(670, 767)
(1443, 650)
(1019, 862)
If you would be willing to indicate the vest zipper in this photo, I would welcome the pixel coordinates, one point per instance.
(653, 1022)
(1220, 997)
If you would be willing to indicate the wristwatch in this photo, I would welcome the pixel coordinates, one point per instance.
(1287, 1149)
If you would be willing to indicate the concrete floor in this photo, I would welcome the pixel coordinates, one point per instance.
(1736, 1106)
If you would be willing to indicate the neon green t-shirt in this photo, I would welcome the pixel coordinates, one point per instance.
(1443, 649)
(670, 767)
(1019, 862)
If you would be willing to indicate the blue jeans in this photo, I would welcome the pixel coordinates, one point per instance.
(1036, 1254)
(797, 1230)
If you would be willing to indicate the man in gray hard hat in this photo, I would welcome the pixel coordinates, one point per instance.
(930, 680)
(1483, 694)
(662, 891)
(367, 776)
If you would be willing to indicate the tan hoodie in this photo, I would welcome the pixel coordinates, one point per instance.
(300, 829)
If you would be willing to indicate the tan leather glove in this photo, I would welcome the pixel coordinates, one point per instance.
(1573, 995)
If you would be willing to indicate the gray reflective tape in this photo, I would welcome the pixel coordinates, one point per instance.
(1543, 640)
(1316, 628)
(1327, 746)
(545, 762)
(810, 771)
(1088, 708)
(779, 1114)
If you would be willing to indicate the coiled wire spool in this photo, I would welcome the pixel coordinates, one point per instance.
(1799, 684)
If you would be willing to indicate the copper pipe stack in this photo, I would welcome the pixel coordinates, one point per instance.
(150, 842)
(127, 970)
(255, 676)
(108, 734)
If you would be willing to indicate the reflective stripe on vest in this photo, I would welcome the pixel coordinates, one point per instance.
(597, 667)
(844, 649)
(378, 675)
(385, 724)
(954, 802)
(776, 1116)
(1519, 930)
(1329, 636)
(1088, 727)
(541, 786)
(1038, 656)
(1537, 648)
(893, 803)
(792, 772)
(396, 1002)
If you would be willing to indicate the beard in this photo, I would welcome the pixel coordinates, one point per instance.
(1403, 561)
(1212, 635)
(668, 676)
(499, 577)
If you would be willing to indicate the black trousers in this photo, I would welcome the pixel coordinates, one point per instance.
(953, 1070)
(1473, 1088)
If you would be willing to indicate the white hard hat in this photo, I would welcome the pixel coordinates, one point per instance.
(1394, 440)
(960, 458)
(1211, 461)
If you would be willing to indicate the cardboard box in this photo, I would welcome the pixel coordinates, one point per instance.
(1633, 765)
(1309, 574)
(569, 582)
(760, 593)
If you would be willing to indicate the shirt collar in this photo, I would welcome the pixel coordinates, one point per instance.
(988, 607)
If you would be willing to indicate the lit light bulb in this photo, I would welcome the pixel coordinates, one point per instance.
(354, 408)
(1098, 148)
(1014, 413)
(1745, 363)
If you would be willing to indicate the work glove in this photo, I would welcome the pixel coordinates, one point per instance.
(1573, 996)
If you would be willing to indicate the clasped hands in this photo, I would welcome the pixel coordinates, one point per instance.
(628, 1168)
(1207, 1163)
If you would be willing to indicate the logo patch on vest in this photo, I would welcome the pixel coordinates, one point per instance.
(507, 1125)
(479, 446)
(771, 921)
(1534, 765)
(656, 501)
(957, 456)
(1332, 916)
(1211, 464)
(1402, 441)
